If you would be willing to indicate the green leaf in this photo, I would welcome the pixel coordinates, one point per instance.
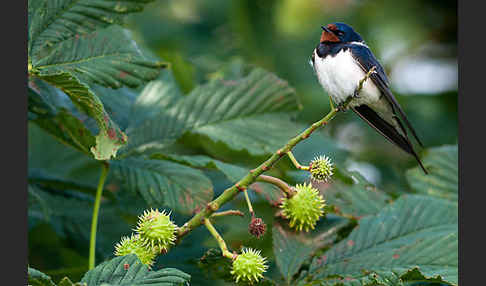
(37, 278)
(371, 279)
(59, 122)
(157, 95)
(442, 180)
(415, 234)
(70, 216)
(165, 183)
(238, 113)
(215, 265)
(356, 199)
(117, 103)
(67, 282)
(232, 172)
(109, 57)
(38, 106)
(45, 154)
(90, 104)
(128, 270)
(38, 206)
(292, 249)
(252, 134)
(55, 118)
(51, 22)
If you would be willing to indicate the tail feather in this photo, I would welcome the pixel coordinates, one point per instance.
(387, 130)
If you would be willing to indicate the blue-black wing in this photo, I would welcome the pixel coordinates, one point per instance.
(367, 60)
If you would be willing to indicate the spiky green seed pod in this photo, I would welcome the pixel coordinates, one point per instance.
(321, 168)
(156, 230)
(133, 244)
(305, 208)
(249, 266)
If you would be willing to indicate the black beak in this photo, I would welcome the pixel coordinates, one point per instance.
(326, 29)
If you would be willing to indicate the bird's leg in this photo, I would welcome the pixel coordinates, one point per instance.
(343, 106)
(362, 81)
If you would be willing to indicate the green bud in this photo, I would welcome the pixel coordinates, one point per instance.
(321, 168)
(249, 266)
(305, 208)
(156, 230)
(133, 244)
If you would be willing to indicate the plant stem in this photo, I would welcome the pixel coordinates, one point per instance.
(330, 103)
(251, 177)
(219, 239)
(228, 212)
(248, 202)
(277, 182)
(94, 221)
(367, 76)
(296, 163)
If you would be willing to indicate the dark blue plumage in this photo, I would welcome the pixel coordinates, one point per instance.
(340, 60)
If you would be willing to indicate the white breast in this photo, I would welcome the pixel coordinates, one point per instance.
(339, 75)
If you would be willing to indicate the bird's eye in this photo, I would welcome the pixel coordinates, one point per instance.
(339, 33)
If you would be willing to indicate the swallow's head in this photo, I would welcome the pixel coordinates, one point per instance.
(339, 33)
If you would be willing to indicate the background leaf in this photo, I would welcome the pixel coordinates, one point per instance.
(90, 104)
(109, 57)
(70, 216)
(415, 232)
(356, 198)
(37, 278)
(157, 95)
(293, 249)
(232, 172)
(114, 272)
(221, 111)
(442, 181)
(45, 153)
(51, 22)
(164, 183)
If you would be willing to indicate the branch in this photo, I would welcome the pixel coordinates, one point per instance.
(277, 182)
(228, 212)
(253, 175)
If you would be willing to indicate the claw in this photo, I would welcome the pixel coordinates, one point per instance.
(342, 107)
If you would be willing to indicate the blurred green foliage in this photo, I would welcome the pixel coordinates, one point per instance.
(201, 37)
(204, 40)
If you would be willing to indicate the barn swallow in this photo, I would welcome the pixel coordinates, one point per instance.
(341, 60)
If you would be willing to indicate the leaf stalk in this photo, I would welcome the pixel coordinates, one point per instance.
(296, 163)
(219, 239)
(94, 221)
(277, 182)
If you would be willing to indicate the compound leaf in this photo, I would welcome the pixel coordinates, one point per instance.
(416, 238)
(166, 183)
(53, 21)
(82, 96)
(109, 57)
(37, 278)
(128, 270)
(238, 113)
(442, 180)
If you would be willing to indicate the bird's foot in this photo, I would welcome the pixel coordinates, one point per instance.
(342, 107)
